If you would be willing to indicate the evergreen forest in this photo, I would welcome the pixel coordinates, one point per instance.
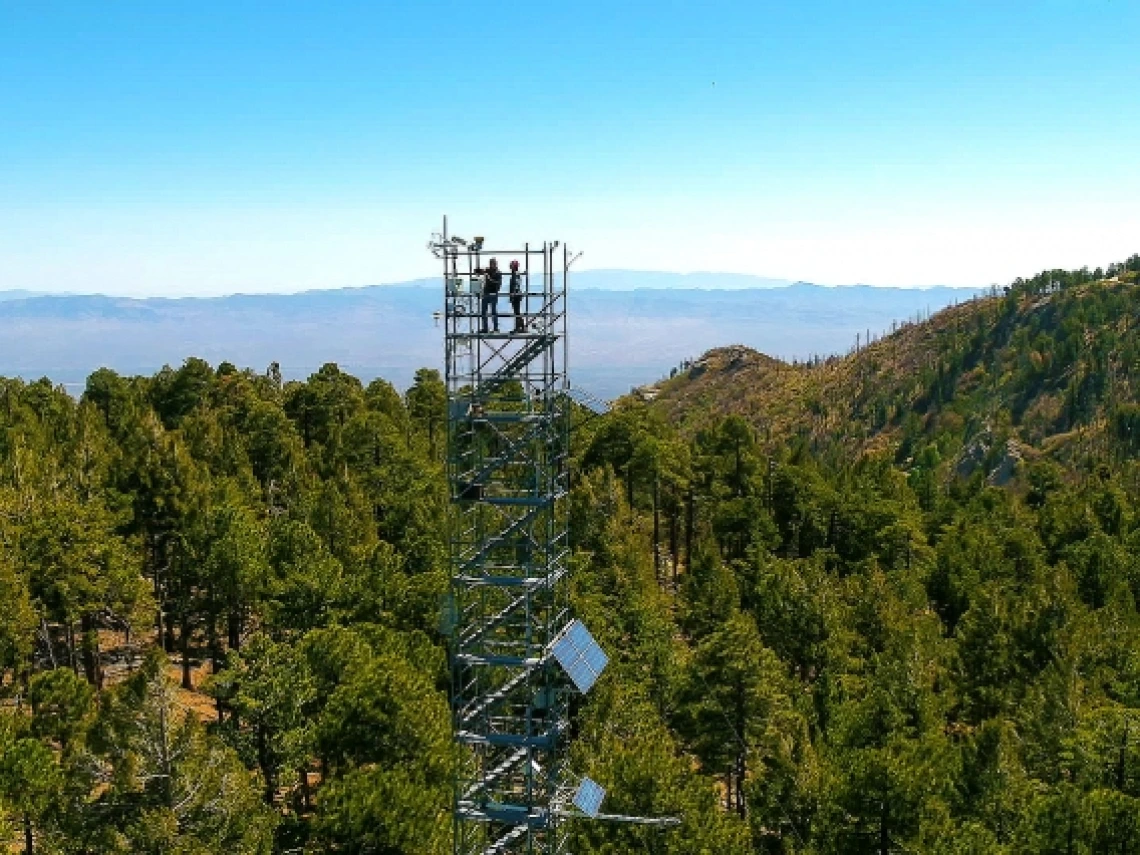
(884, 602)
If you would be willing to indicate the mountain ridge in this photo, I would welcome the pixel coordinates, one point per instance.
(1047, 365)
(603, 279)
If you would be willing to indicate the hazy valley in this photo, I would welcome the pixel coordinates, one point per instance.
(627, 327)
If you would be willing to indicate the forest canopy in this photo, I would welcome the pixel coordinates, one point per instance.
(881, 603)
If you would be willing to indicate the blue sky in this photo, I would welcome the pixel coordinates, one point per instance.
(206, 148)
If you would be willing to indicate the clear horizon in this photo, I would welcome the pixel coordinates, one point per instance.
(747, 281)
(155, 150)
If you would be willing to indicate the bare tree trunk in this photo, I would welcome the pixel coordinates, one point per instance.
(741, 773)
(741, 756)
(168, 636)
(151, 558)
(92, 664)
(165, 760)
(48, 642)
(212, 631)
(184, 643)
(71, 657)
(29, 841)
(656, 531)
(234, 628)
(737, 471)
(673, 547)
(689, 533)
(263, 761)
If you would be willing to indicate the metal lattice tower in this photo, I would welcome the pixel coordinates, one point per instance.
(507, 447)
(516, 653)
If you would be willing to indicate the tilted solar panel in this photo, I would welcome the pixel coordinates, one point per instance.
(579, 655)
(588, 798)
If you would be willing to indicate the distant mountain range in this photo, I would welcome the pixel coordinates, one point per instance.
(632, 280)
(19, 294)
(626, 327)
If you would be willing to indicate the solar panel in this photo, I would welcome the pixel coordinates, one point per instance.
(595, 658)
(588, 797)
(579, 655)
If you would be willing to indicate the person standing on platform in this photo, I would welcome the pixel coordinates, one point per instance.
(492, 283)
(517, 297)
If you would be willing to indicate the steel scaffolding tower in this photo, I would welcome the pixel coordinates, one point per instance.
(507, 615)
(516, 653)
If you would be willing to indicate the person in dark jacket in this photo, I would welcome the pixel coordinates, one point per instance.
(517, 297)
(492, 283)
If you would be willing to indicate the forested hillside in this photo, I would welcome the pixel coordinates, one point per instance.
(217, 602)
(882, 603)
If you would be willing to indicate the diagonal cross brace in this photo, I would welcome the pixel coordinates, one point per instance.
(499, 617)
(500, 845)
(512, 366)
(494, 697)
(500, 539)
(499, 771)
(534, 431)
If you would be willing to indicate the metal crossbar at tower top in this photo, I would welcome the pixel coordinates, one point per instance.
(515, 651)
